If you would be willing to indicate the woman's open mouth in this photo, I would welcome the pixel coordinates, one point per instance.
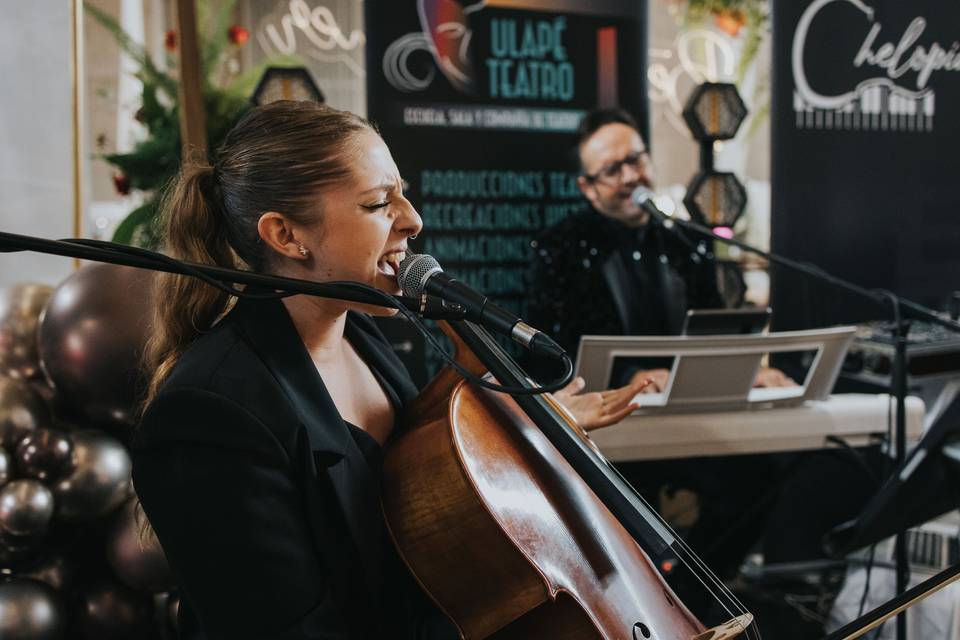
(389, 264)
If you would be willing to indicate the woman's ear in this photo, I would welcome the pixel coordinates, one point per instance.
(277, 232)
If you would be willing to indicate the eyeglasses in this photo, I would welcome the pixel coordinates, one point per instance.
(612, 172)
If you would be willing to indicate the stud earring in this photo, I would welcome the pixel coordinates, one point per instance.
(304, 251)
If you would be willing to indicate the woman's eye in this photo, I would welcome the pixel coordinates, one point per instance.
(374, 207)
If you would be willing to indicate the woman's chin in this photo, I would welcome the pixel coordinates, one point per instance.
(387, 283)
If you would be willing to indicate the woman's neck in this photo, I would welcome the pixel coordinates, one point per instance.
(320, 324)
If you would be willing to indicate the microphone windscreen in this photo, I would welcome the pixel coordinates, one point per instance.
(641, 195)
(414, 271)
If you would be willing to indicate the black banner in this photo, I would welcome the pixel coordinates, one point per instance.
(478, 103)
(864, 137)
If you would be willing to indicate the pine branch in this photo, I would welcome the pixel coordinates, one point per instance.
(149, 72)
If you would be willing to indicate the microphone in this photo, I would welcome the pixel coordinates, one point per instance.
(420, 274)
(643, 197)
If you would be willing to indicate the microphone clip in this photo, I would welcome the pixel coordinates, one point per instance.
(434, 308)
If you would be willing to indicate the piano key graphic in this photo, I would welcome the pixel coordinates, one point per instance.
(876, 108)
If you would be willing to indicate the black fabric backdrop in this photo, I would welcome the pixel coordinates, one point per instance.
(485, 139)
(864, 170)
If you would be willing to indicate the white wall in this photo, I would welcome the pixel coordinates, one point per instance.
(36, 180)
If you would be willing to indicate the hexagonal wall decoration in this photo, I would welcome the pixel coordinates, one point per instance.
(286, 83)
(715, 199)
(714, 111)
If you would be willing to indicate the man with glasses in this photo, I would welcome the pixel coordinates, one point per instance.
(614, 271)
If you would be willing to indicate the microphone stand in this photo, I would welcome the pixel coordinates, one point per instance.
(898, 382)
(635, 516)
(427, 306)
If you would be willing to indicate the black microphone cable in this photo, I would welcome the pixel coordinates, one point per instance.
(387, 299)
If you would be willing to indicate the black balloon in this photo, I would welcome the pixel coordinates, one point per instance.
(20, 308)
(21, 411)
(26, 507)
(30, 610)
(45, 454)
(173, 613)
(55, 570)
(111, 611)
(100, 479)
(91, 336)
(134, 553)
(17, 553)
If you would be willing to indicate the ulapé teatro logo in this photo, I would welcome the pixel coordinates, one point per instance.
(895, 96)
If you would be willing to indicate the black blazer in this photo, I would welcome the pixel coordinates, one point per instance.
(260, 497)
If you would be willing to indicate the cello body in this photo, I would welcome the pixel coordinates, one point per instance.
(507, 538)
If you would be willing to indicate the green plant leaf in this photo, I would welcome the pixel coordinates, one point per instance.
(142, 215)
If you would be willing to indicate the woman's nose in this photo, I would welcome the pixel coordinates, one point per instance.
(409, 223)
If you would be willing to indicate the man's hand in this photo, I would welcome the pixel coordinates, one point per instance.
(658, 379)
(770, 377)
(599, 408)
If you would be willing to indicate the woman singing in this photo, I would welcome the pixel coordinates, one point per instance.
(258, 457)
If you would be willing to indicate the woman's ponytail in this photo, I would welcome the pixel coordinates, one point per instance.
(195, 231)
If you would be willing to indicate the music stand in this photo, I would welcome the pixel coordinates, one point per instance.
(925, 486)
(716, 373)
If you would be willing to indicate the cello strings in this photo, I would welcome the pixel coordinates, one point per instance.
(512, 368)
(726, 598)
(709, 581)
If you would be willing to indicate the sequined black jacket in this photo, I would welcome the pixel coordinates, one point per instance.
(582, 282)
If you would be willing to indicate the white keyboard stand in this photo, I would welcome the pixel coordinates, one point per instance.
(859, 419)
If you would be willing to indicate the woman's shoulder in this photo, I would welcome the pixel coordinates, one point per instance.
(214, 361)
(218, 379)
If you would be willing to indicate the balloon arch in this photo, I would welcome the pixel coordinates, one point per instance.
(77, 559)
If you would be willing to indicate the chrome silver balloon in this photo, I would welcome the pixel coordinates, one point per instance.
(26, 507)
(21, 411)
(31, 610)
(20, 309)
(6, 467)
(100, 480)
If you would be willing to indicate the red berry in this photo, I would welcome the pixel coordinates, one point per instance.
(238, 35)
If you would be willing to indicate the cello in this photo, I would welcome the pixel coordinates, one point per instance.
(517, 527)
